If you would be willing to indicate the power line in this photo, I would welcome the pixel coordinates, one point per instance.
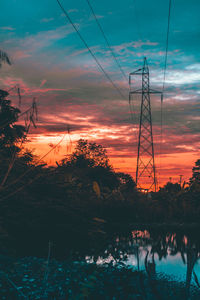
(167, 44)
(94, 57)
(133, 118)
(13, 120)
(26, 172)
(164, 74)
(116, 60)
(90, 51)
(106, 40)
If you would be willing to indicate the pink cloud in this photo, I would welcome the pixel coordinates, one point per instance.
(43, 82)
(27, 90)
(20, 54)
(9, 28)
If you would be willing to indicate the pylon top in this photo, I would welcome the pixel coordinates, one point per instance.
(143, 70)
(145, 66)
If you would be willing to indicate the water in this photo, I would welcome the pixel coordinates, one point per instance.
(166, 256)
(169, 255)
(170, 252)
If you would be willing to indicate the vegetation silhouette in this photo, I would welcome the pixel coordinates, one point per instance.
(85, 200)
(81, 190)
(4, 58)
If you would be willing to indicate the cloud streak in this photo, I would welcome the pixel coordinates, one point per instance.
(51, 63)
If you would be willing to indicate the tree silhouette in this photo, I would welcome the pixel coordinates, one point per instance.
(90, 154)
(10, 133)
(195, 173)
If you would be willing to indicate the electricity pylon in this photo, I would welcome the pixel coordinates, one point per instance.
(146, 170)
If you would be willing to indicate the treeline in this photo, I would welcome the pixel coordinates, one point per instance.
(83, 189)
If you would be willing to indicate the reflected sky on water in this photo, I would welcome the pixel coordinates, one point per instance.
(171, 256)
(167, 258)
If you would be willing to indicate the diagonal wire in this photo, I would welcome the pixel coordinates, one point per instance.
(106, 40)
(167, 45)
(12, 120)
(133, 119)
(26, 172)
(90, 51)
(164, 74)
(94, 57)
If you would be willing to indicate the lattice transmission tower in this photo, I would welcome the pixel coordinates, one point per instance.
(146, 170)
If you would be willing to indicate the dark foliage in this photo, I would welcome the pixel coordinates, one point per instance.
(10, 133)
(37, 200)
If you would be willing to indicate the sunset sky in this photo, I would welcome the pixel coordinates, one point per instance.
(51, 63)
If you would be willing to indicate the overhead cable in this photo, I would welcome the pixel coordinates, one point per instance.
(106, 40)
(90, 51)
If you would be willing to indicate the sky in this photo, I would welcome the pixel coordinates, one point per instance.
(51, 63)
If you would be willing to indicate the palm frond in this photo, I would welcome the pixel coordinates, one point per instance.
(4, 58)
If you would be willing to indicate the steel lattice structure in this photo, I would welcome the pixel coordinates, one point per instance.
(146, 170)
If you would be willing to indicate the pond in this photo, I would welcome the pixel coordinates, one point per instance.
(168, 260)
(170, 254)
(174, 256)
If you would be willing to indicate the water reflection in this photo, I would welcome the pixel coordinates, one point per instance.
(170, 255)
